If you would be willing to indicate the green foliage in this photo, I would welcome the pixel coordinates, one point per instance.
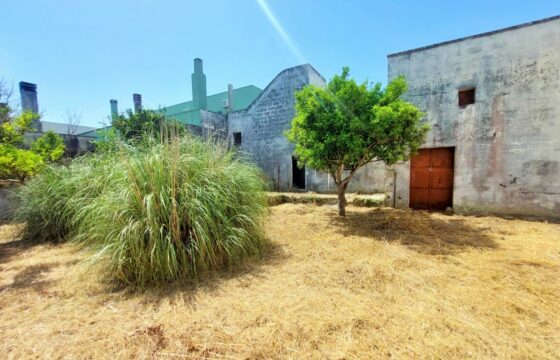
(12, 131)
(48, 202)
(157, 212)
(18, 163)
(137, 125)
(347, 125)
(49, 146)
(108, 140)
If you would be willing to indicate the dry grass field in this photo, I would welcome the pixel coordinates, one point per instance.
(381, 283)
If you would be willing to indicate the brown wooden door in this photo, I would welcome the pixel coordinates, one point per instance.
(431, 179)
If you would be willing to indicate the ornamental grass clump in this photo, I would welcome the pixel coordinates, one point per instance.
(48, 202)
(154, 212)
(181, 208)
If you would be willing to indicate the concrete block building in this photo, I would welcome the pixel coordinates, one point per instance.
(255, 120)
(493, 101)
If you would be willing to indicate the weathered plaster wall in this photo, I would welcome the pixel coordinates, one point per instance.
(507, 144)
(213, 124)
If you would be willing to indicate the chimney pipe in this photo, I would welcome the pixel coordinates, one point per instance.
(28, 93)
(199, 86)
(230, 97)
(114, 108)
(137, 99)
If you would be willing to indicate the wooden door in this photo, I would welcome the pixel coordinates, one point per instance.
(431, 179)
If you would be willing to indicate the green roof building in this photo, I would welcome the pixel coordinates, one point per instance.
(189, 112)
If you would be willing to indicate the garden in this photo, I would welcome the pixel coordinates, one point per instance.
(161, 244)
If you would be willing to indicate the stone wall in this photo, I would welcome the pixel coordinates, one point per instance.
(7, 202)
(263, 124)
(507, 144)
(75, 144)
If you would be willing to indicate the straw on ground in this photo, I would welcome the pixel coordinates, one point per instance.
(380, 283)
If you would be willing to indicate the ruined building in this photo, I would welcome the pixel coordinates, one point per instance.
(493, 101)
(77, 139)
(254, 121)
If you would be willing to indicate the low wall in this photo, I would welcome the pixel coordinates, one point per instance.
(7, 203)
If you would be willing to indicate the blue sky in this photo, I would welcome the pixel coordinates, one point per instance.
(83, 53)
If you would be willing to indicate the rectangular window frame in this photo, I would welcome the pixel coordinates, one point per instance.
(466, 97)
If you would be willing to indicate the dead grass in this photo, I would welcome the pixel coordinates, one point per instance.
(381, 283)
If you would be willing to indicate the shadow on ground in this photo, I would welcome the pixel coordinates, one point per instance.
(418, 230)
(31, 276)
(187, 291)
(12, 248)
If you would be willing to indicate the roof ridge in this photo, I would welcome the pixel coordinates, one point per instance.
(476, 36)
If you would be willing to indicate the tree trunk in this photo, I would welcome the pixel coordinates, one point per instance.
(341, 199)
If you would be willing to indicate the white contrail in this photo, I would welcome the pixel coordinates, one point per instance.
(280, 30)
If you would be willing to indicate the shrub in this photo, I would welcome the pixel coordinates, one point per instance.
(160, 212)
(18, 163)
(48, 203)
(49, 146)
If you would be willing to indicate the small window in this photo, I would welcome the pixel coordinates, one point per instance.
(466, 97)
(236, 139)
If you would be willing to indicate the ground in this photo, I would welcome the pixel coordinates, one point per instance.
(380, 283)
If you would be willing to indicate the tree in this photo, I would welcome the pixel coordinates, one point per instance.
(50, 146)
(17, 162)
(6, 107)
(12, 130)
(347, 125)
(73, 119)
(134, 124)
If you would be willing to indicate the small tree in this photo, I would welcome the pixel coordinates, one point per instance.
(50, 146)
(6, 100)
(135, 124)
(347, 125)
(17, 162)
(73, 119)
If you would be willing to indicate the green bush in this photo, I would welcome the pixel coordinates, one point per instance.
(49, 146)
(48, 203)
(160, 212)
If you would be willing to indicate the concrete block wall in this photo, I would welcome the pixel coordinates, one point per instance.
(213, 125)
(75, 144)
(7, 201)
(263, 124)
(507, 144)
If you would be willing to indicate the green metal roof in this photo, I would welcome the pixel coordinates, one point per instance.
(187, 113)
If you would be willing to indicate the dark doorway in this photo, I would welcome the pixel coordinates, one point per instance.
(431, 179)
(298, 175)
(237, 139)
